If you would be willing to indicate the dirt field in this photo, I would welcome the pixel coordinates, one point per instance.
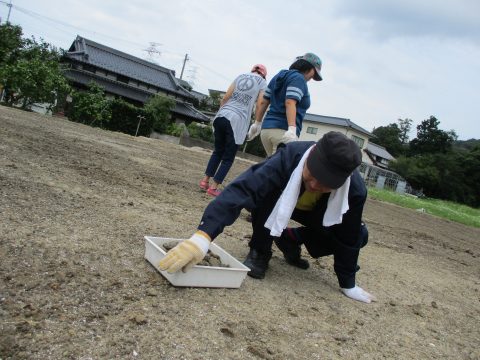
(75, 203)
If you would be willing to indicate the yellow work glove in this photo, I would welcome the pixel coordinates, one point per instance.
(186, 254)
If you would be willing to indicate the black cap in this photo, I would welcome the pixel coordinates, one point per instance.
(333, 159)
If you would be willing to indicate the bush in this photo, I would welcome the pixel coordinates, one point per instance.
(159, 107)
(126, 119)
(90, 107)
(203, 132)
(175, 130)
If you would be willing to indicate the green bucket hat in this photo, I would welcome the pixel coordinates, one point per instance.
(315, 61)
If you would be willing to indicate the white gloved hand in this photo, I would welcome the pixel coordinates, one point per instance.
(254, 130)
(357, 293)
(290, 135)
(186, 254)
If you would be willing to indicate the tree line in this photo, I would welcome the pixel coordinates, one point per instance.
(434, 161)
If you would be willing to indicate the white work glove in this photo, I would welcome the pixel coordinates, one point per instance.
(290, 135)
(254, 130)
(357, 293)
(186, 254)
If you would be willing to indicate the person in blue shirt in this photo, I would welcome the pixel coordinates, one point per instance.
(287, 99)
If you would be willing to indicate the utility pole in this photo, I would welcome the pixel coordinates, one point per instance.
(9, 10)
(183, 67)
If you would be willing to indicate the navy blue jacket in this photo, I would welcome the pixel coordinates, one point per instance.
(266, 180)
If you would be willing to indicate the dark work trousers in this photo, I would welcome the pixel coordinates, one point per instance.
(318, 240)
(225, 149)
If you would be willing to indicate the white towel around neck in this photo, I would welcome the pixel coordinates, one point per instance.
(337, 202)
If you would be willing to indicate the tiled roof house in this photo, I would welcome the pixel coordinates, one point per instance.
(126, 76)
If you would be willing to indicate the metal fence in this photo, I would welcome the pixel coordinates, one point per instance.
(379, 178)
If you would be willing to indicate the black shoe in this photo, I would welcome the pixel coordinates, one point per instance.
(298, 262)
(258, 263)
(291, 250)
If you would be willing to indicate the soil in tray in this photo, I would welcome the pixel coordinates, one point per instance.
(210, 259)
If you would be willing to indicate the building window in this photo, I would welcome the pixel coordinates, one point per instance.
(358, 140)
(312, 130)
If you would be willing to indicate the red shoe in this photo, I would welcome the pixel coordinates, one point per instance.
(213, 192)
(204, 185)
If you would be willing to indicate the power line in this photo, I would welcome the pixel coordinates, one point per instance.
(49, 20)
(52, 22)
(211, 70)
(192, 75)
(41, 17)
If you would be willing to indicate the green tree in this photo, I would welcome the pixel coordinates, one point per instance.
(159, 107)
(405, 125)
(450, 176)
(420, 172)
(210, 103)
(90, 107)
(34, 76)
(430, 139)
(11, 43)
(466, 144)
(389, 137)
(470, 164)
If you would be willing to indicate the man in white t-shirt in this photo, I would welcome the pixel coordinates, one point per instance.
(231, 124)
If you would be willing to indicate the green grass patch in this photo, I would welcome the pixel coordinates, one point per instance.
(445, 209)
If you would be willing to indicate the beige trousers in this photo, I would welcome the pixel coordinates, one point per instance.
(270, 139)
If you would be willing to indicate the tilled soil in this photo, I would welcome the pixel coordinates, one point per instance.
(75, 203)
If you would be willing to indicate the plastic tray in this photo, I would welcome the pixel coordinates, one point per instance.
(198, 275)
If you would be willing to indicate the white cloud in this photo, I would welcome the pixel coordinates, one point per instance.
(444, 19)
(383, 60)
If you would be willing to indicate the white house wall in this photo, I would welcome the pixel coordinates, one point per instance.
(322, 129)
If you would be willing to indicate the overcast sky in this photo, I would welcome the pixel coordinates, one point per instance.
(382, 60)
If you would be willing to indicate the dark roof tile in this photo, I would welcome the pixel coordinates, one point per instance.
(378, 150)
(118, 62)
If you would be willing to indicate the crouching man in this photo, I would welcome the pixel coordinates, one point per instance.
(315, 184)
